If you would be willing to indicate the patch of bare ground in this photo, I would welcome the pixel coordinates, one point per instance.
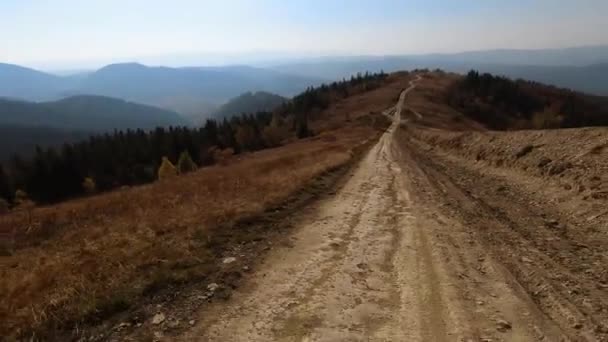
(104, 266)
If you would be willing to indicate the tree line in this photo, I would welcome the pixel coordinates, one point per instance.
(501, 103)
(134, 157)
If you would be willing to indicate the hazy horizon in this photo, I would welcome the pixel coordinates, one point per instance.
(69, 34)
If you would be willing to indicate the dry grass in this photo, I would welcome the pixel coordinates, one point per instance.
(429, 99)
(86, 259)
(358, 107)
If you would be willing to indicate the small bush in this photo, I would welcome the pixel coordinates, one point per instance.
(167, 169)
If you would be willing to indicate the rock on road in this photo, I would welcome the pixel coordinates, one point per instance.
(373, 264)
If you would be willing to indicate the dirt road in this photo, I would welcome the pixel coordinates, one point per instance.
(386, 260)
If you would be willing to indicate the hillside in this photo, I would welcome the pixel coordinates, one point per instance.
(501, 103)
(249, 103)
(24, 83)
(87, 113)
(131, 157)
(22, 140)
(27, 124)
(187, 221)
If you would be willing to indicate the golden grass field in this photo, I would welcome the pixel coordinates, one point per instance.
(86, 259)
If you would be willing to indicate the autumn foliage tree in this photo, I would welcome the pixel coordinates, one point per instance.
(166, 170)
(185, 163)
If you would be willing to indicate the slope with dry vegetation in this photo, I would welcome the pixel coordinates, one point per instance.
(75, 264)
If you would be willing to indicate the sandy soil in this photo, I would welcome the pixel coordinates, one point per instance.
(420, 245)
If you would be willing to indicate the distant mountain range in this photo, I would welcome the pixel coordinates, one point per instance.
(193, 91)
(40, 107)
(583, 68)
(189, 90)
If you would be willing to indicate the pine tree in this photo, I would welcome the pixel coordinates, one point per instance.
(185, 163)
(166, 170)
(302, 130)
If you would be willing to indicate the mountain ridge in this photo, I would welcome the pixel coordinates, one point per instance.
(86, 112)
(183, 89)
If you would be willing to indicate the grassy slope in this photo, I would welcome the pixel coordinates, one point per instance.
(84, 260)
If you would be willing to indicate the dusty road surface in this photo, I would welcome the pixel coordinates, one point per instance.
(385, 260)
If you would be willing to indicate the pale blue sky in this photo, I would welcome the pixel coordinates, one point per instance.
(81, 33)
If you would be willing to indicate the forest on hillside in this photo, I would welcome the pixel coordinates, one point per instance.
(248, 102)
(132, 157)
(501, 103)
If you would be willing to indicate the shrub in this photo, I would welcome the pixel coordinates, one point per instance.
(185, 163)
(167, 169)
(89, 186)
